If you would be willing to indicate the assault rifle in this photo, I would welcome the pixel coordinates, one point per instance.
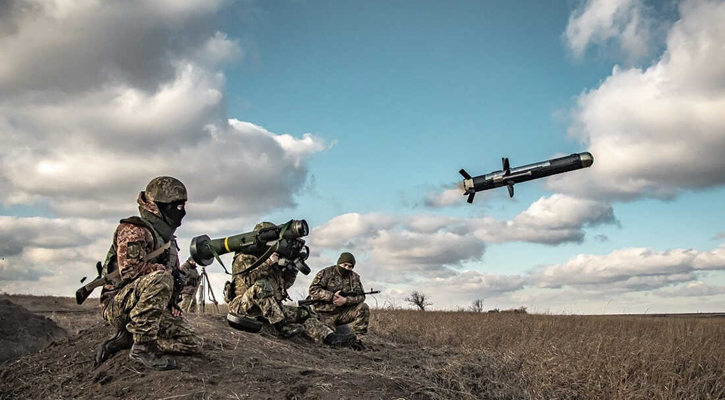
(114, 276)
(343, 294)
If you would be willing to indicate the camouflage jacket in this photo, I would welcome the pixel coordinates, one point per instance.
(132, 241)
(191, 278)
(330, 280)
(280, 279)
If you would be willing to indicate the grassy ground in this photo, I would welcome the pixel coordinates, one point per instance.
(585, 357)
(466, 355)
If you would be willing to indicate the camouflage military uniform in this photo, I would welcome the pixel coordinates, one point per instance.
(354, 312)
(191, 286)
(141, 300)
(261, 292)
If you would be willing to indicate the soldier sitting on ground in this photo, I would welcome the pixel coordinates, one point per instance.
(140, 305)
(191, 286)
(334, 308)
(260, 293)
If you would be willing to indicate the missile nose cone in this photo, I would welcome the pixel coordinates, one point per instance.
(587, 159)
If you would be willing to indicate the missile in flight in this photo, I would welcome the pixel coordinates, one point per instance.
(509, 176)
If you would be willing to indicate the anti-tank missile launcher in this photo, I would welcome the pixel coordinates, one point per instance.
(284, 239)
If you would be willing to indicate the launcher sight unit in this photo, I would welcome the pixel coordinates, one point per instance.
(509, 176)
(284, 239)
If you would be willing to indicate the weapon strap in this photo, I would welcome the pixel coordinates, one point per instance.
(211, 248)
(158, 251)
(150, 256)
(260, 260)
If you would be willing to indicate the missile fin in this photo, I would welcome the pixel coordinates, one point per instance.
(470, 198)
(510, 187)
(506, 165)
(464, 173)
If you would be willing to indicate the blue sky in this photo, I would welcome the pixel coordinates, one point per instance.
(357, 117)
(411, 93)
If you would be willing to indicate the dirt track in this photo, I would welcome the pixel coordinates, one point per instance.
(235, 365)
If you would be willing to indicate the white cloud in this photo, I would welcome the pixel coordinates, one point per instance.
(630, 268)
(49, 255)
(402, 248)
(98, 98)
(626, 24)
(350, 230)
(426, 254)
(658, 131)
(692, 289)
(550, 220)
(446, 197)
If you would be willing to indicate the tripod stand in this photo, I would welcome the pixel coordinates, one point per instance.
(205, 288)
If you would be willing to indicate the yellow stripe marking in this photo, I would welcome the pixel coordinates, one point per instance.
(226, 243)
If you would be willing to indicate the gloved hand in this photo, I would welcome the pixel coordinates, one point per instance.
(179, 279)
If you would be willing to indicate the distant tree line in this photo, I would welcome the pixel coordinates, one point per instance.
(422, 302)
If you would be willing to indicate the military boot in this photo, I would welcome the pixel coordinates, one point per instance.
(357, 345)
(151, 356)
(339, 339)
(121, 340)
(287, 330)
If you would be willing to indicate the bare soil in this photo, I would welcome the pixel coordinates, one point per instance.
(240, 365)
(410, 355)
(23, 333)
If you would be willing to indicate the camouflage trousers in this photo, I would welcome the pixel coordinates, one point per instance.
(188, 303)
(142, 307)
(258, 302)
(358, 316)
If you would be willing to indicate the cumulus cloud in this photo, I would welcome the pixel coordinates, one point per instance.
(49, 255)
(553, 220)
(693, 289)
(658, 131)
(473, 285)
(625, 24)
(434, 246)
(351, 230)
(98, 98)
(445, 198)
(629, 269)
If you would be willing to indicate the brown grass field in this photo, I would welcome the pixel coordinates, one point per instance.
(410, 355)
(565, 357)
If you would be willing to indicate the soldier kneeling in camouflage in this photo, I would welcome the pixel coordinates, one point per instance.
(340, 296)
(140, 305)
(260, 293)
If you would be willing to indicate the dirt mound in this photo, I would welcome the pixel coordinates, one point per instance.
(240, 365)
(22, 332)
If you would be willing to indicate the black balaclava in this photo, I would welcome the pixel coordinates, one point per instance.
(173, 212)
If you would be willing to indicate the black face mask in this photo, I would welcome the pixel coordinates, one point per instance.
(173, 212)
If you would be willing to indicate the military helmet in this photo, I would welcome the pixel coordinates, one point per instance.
(165, 189)
(263, 225)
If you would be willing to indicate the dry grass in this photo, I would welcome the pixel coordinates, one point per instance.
(573, 357)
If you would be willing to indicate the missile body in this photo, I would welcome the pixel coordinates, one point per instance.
(510, 176)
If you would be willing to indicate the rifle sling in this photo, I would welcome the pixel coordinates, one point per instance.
(117, 273)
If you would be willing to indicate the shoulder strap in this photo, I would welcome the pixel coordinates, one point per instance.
(158, 251)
